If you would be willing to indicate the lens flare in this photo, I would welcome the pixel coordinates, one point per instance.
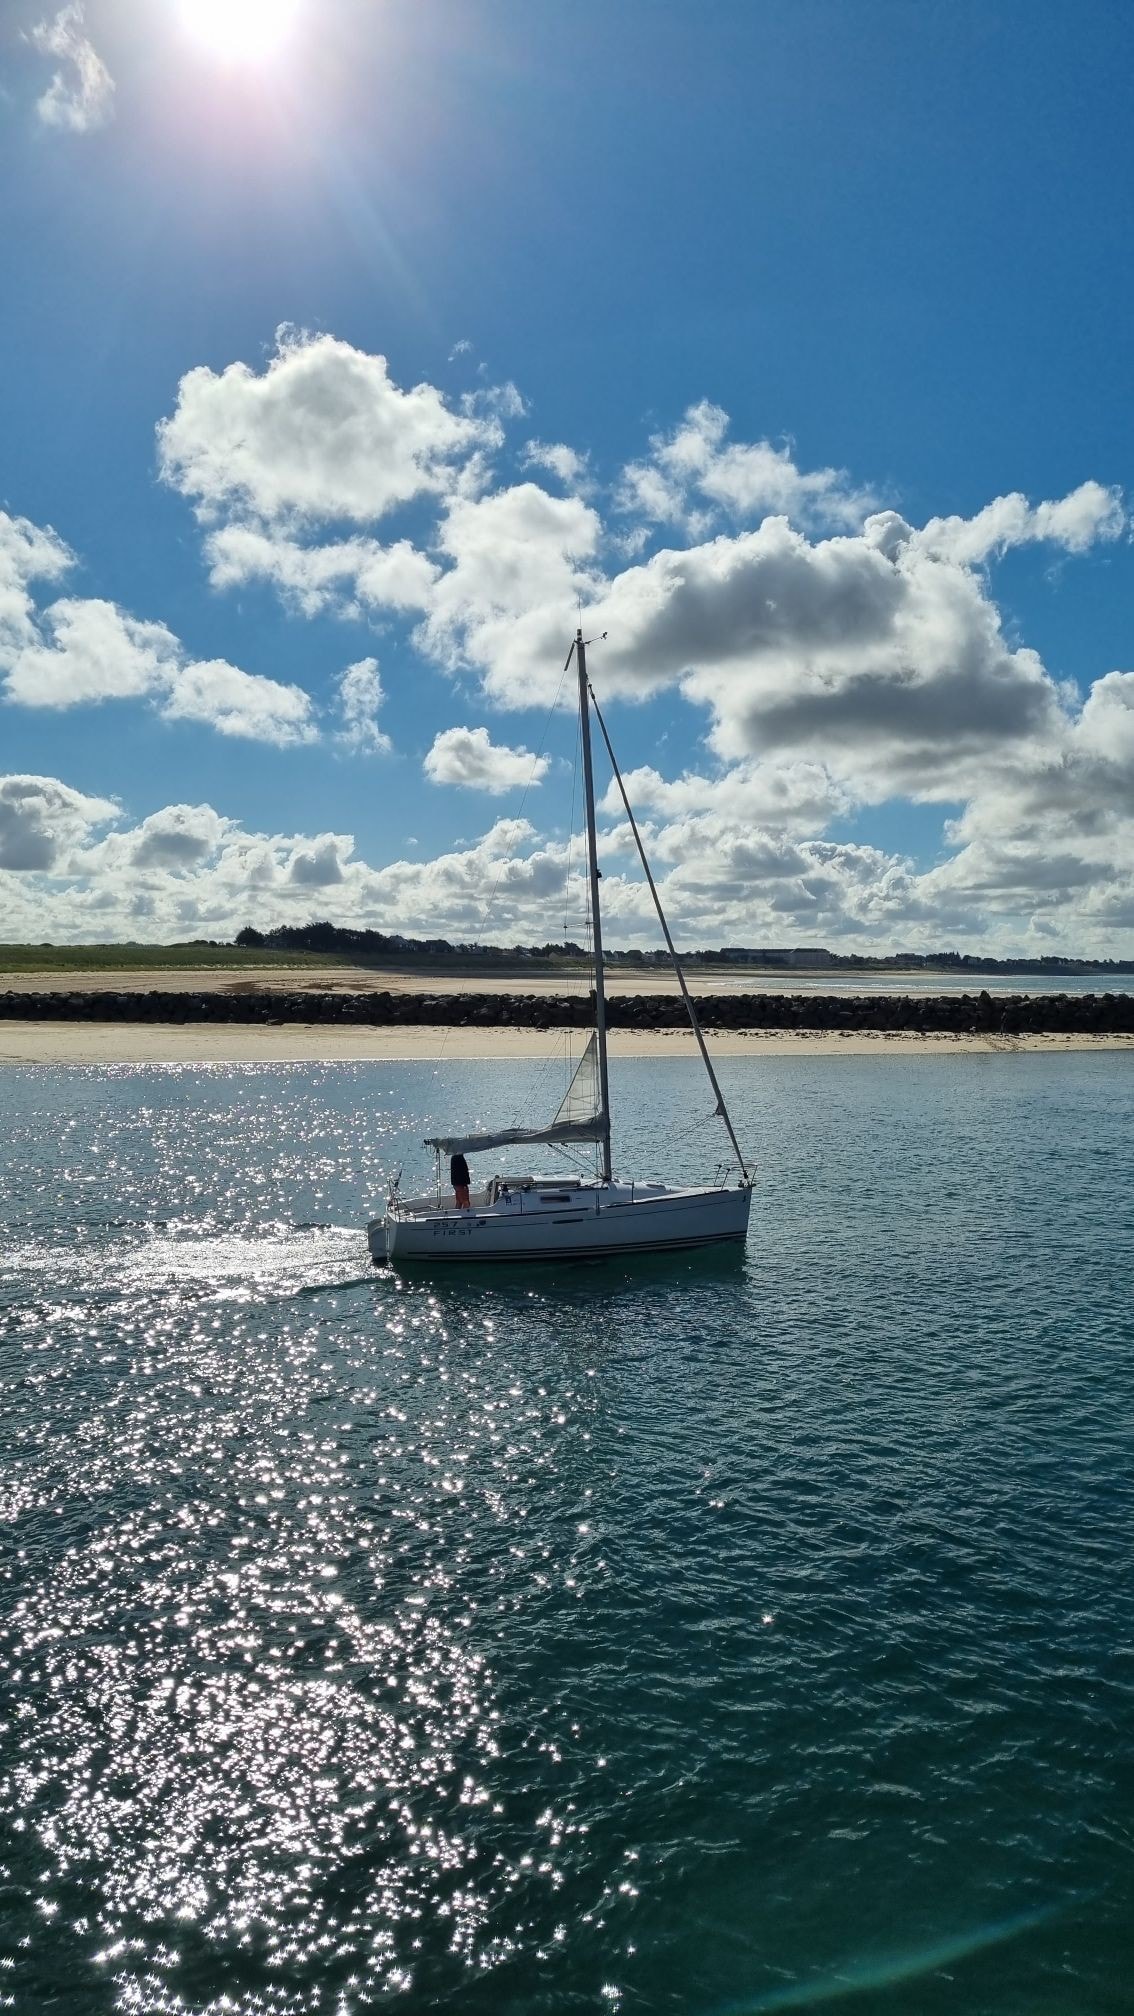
(240, 31)
(858, 1977)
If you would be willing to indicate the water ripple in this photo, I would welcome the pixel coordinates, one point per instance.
(690, 1636)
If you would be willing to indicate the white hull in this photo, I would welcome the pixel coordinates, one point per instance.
(552, 1221)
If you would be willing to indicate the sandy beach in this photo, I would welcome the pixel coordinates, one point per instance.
(451, 978)
(310, 1043)
(515, 977)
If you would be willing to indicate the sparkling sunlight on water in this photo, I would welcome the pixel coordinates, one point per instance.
(691, 1636)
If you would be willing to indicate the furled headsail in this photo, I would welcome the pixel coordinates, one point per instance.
(580, 1118)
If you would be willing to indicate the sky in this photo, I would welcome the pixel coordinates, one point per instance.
(355, 352)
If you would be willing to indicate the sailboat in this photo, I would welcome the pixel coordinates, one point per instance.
(530, 1217)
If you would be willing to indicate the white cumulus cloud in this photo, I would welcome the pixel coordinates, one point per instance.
(467, 756)
(833, 656)
(564, 462)
(785, 797)
(865, 653)
(239, 703)
(83, 650)
(1075, 522)
(322, 433)
(27, 553)
(360, 697)
(1028, 866)
(347, 576)
(41, 818)
(91, 650)
(320, 866)
(518, 562)
(178, 837)
(694, 468)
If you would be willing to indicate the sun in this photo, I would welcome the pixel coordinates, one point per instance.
(240, 31)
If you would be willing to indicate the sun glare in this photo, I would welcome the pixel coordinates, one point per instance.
(240, 31)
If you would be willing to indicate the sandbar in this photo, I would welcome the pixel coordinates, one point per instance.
(314, 1043)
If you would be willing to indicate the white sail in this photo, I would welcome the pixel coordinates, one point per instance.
(581, 1101)
(580, 1118)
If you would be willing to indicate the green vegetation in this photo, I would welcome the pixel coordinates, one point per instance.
(153, 959)
(366, 947)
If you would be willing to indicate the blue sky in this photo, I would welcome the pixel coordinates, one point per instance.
(789, 343)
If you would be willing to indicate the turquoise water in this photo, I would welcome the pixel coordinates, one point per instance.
(837, 980)
(709, 1636)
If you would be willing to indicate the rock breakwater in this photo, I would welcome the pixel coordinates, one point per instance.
(929, 1014)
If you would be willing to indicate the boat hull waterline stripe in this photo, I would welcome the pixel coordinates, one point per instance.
(462, 1254)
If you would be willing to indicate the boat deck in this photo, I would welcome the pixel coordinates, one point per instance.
(526, 1197)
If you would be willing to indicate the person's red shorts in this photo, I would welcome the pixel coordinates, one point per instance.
(461, 1193)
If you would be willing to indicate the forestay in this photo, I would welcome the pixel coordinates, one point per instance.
(580, 1118)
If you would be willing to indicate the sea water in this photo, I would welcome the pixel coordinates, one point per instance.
(702, 1636)
(907, 981)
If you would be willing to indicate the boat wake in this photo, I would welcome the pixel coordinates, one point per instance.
(272, 1262)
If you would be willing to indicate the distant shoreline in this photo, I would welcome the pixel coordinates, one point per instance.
(291, 1015)
(186, 966)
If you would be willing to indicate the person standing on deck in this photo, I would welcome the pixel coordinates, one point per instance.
(459, 1178)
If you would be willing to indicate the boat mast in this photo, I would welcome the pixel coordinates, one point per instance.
(596, 917)
(694, 1019)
